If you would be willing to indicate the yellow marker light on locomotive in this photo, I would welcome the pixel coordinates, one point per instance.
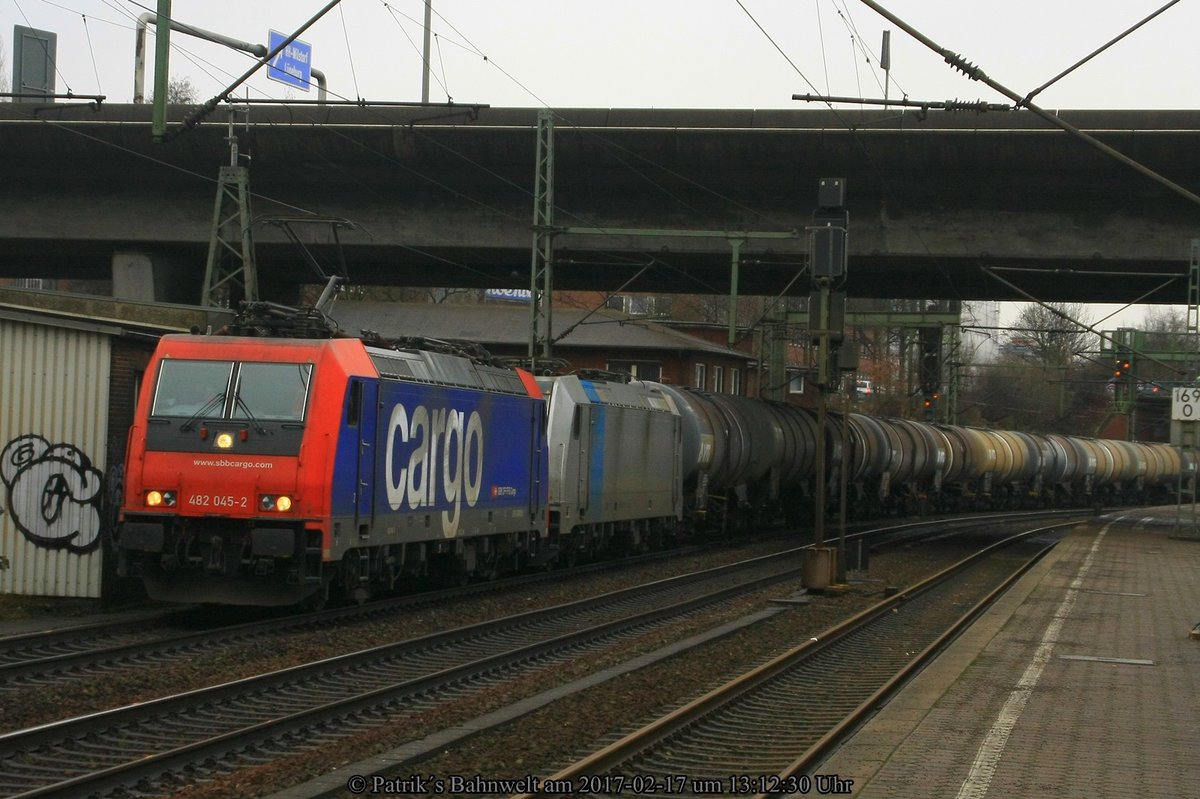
(279, 504)
(155, 499)
(225, 441)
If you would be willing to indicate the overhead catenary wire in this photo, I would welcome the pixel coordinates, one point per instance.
(958, 63)
(472, 47)
(856, 37)
(973, 72)
(976, 74)
(1092, 55)
(445, 82)
(821, 35)
(92, 52)
(417, 48)
(884, 184)
(349, 51)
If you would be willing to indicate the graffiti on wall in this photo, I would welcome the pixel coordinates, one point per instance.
(53, 493)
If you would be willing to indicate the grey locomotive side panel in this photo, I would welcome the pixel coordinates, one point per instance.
(615, 452)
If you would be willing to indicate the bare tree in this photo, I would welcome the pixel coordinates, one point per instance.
(3, 68)
(1050, 335)
(1170, 352)
(1167, 329)
(1045, 379)
(180, 91)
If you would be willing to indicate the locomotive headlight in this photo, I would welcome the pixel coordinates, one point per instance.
(155, 499)
(279, 504)
(224, 440)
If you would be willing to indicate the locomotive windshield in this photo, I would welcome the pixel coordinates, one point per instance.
(261, 391)
(271, 391)
(186, 387)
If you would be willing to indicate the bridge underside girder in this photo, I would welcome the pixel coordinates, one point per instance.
(281, 271)
(935, 202)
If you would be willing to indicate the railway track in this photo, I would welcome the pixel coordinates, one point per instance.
(232, 726)
(258, 720)
(81, 651)
(78, 652)
(761, 733)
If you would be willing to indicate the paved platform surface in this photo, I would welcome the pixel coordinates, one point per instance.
(1083, 681)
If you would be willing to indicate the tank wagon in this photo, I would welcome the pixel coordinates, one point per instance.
(760, 457)
(273, 470)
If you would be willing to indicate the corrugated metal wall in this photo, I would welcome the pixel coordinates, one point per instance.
(54, 384)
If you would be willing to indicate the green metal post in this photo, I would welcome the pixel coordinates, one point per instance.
(734, 258)
(541, 280)
(162, 54)
(230, 273)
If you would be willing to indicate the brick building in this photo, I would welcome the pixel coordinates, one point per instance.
(600, 339)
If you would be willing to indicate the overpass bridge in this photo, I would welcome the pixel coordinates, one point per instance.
(942, 205)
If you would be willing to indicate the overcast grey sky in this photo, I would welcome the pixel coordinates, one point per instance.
(660, 53)
(650, 53)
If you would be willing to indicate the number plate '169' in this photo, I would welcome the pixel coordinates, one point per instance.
(1185, 404)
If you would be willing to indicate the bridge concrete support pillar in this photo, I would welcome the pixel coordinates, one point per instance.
(151, 277)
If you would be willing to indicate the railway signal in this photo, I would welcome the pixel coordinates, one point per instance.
(1124, 384)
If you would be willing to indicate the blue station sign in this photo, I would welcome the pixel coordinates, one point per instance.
(291, 65)
(509, 295)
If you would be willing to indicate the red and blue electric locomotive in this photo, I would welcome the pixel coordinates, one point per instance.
(274, 471)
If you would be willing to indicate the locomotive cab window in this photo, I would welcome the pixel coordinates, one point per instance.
(262, 391)
(274, 392)
(187, 388)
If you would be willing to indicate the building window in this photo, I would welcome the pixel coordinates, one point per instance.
(735, 382)
(29, 283)
(718, 379)
(638, 305)
(638, 370)
(796, 383)
(700, 379)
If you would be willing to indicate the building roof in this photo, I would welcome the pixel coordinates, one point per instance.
(508, 325)
(108, 315)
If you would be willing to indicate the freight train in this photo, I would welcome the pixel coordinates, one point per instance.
(271, 470)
